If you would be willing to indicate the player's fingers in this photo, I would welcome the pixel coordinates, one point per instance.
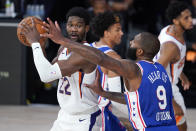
(97, 75)
(57, 26)
(182, 83)
(46, 24)
(20, 26)
(187, 86)
(23, 33)
(33, 23)
(46, 35)
(45, 28)
(50, 23)
(87, 85)
(25, 27)
(24, 30)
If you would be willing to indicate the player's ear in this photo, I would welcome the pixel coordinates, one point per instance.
(175, 21)
(139, 51)
(87, 28)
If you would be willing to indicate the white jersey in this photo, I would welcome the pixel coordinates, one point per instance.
(73, 97)
(173, 70)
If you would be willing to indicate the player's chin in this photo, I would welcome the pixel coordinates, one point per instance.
(190, 27)
(118, 42)
(74, 38)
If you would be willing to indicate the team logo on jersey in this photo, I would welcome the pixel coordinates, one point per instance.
(53, 72)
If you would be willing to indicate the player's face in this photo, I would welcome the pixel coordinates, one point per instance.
(131, 52)
(115, 33)
(76, 28)
(185, 20)
(99, 6)
(134, 49)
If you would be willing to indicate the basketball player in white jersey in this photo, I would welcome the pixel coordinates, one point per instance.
(79, 106)
(172, 55)
(107, 27)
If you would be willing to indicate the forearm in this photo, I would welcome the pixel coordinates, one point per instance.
(94, 56)
(182, 76)
(89, 53)
(114, 96)
(46, 70)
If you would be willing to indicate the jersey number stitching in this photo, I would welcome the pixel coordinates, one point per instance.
(65, 87)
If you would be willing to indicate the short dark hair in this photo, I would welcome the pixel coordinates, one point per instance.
(102, 22)
(80, 12)
(149, 43)
(174, 10)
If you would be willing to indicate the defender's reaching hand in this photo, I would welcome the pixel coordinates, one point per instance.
(54, 31)
(96, 85)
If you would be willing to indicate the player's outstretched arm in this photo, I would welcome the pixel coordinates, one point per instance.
(114, 96)
(125, 68)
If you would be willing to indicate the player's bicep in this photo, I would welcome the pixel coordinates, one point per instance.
(67, 68)
(71, 65)
(115, 56)
(131, 69)
(122, 67)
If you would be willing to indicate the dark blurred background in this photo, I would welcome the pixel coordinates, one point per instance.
(19, 80)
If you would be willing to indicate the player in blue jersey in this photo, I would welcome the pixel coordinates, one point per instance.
(107, 28)
(149, 93)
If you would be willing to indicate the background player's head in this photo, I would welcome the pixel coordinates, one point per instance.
(99, 6)
(145, 45)
(107, 25)
(77, 24)
(178, 13)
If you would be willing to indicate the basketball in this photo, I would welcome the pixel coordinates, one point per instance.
(38, 23)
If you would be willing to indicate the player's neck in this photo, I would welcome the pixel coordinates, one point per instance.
(144, 58)
(177, 31)
(103, 41)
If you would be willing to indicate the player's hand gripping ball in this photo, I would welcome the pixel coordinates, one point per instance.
(28, 21)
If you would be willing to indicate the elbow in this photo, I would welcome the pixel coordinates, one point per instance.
(45, 80)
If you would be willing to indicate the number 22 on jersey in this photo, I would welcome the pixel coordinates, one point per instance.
(64, 87)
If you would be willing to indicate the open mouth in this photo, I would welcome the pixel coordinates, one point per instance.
(74, 36)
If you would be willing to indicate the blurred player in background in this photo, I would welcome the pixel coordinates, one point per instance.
(79, 107)
(107, 28)
(172, 55)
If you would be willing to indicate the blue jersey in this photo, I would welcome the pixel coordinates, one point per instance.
(103, 77)
(109, 121)
(150, 107)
